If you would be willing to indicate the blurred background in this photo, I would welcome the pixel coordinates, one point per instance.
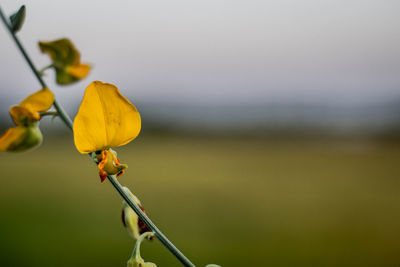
(270, 133)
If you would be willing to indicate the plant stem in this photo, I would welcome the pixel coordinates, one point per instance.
(136, 249)
(42, 70)
(64, 116)
(48, 113)
(68, 122)
(160, 236)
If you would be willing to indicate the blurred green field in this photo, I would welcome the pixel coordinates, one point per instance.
(230, 201)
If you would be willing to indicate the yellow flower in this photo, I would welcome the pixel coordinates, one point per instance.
(26, 134)
(105, 119)
(133, 224)
(108, 163)
(66, 61)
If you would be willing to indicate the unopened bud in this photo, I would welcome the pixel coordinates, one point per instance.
(21, 138)
(133, 224)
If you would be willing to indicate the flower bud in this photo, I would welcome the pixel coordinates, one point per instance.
(109, 164)
(133, 224)
(26, 135)
(21, 138)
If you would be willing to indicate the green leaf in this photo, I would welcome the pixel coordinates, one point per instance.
(17, 19)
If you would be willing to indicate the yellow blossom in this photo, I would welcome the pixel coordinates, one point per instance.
(66, 61)
(108, 164)
(30, 107)
(105, 119)
(26, 134)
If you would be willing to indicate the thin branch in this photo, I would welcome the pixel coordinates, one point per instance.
(42, 70)
(48, 113)
(68, 122)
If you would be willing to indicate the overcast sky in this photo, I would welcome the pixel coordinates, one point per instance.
(215, 51)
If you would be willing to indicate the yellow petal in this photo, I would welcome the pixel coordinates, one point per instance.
(12, 136)
(22, 115)
(80, 71)
(40, 101)
(105, 119)
(28, 109)
(20, 138)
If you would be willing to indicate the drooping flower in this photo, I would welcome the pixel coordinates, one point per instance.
(26, 134)
(105, 119)
(66, 61)
(133, 224)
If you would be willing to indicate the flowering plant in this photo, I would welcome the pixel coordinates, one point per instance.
(105, 120)
(26, 134)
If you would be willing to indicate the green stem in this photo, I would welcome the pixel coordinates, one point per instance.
(136, 249)
(68, 122)
(64, 116)
(160, 236)
(48, 113)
